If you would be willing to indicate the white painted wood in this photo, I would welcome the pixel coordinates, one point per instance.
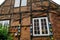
(40, 26)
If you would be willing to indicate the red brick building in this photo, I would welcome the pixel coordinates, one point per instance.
(31, 19)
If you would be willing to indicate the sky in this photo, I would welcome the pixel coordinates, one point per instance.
(56, 1)
(1, 1)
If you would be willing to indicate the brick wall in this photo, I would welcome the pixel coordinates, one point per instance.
(7, 8)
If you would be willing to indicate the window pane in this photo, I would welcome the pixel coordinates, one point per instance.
(4, 23)
(44, 26)
(36, 26)
(45, 23)
(24, 2)
(17, 3)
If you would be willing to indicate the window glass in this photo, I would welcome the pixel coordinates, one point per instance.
(4, 24)
(23, 2)
(17, 3)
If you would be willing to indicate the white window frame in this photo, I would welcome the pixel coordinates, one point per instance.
(40, 26)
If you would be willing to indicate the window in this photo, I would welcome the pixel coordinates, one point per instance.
(17, 3)
(40, 26)
(24, 3)
(4, 24)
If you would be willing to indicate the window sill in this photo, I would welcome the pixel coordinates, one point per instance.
(42, 35)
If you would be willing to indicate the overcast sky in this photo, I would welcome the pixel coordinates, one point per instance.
(1, 1)
(57, 1)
